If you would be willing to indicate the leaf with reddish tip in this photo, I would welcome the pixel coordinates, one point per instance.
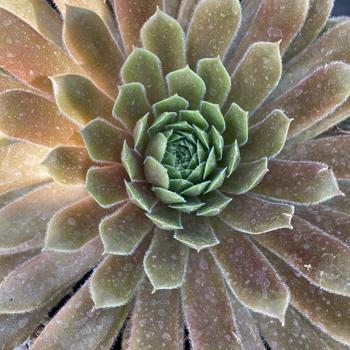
(72, 328)
(123, 231)
(249, 275)
(92, 46)
(68, 165)
(256, 75)
(36, 208)
(24, 290)
(80, 100)
(298, 182)
(203, 41)
(255, 216)
(318, 256)
(165, 261)
(33, 118)
(114, 282)
(163, 328)
(40, 59)
(206, 305)
(74, 226)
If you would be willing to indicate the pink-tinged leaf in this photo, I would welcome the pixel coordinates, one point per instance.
(329, 220)
(256, 75)
(131, 15)
(39, 15)
(316, 20)
(321, 258)
(171, 7)
(10, 83)
(30, 117)
(78, 325)
(92, 46)
(115, 281)
(36, 208)
(206, 305)
(74, 226)
(329, 312)
(20, 166)
(155, 320)
(333, 151)
(29, 56)
(274, 20)
(248, 274)
(186, 10)
(298, 182)
(203, 41)
(23, 290)
(255, 216)
(313, 98)
(341, 203)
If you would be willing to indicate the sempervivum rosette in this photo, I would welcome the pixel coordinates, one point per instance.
(174, 174)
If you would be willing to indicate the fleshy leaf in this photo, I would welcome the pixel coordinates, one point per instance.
(114, 282)
(140, 194)
(68, 165)
(196, 190)
(131, 104)
(79, 99)
(74, 226)
(246, 177)
(236, 120)
(215, 203)
(168, 197)
(188, 85)
(185, 13)
(256, 76)
(144, 67)
(174, 103)
(298, 182)
(217, 180)
(132, 163)
(140, 134)
(194, 118)
(106, 185)
(210, 35)
(216, 79)
(212, 113)
(164, 36)
(92, 46)
(255, 283)
(156, 173)
(123, 231)
(189, 207)
(157, 146)
(164, 217)
(267, 138)
(255, 216)
(197, 233)
(165, 261)
(103, 141)
(36, 208)
(231, 158)
(33, 118)
(214, 319)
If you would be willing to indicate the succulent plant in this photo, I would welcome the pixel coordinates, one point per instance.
(170, 175)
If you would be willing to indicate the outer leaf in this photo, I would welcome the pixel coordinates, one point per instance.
(256, 75)
(196, 233)
(72, 227)
(341, 203)
(163, 314)
(163, 36)
(224, 17)
(319, 257)
(24, 115)
(71, 328)
(41, 58)
(24, 290)
(249, 275)
(144, 67)
(131, 16)
(68, 165)
(165, 261)
(186, 11)
(210, 324)
(298, 182)
(79, 99)
(124, 230)
(106, 185)
(267, 138)
(255, 216)
(36, 208)
(92, 46)
(114, 282)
